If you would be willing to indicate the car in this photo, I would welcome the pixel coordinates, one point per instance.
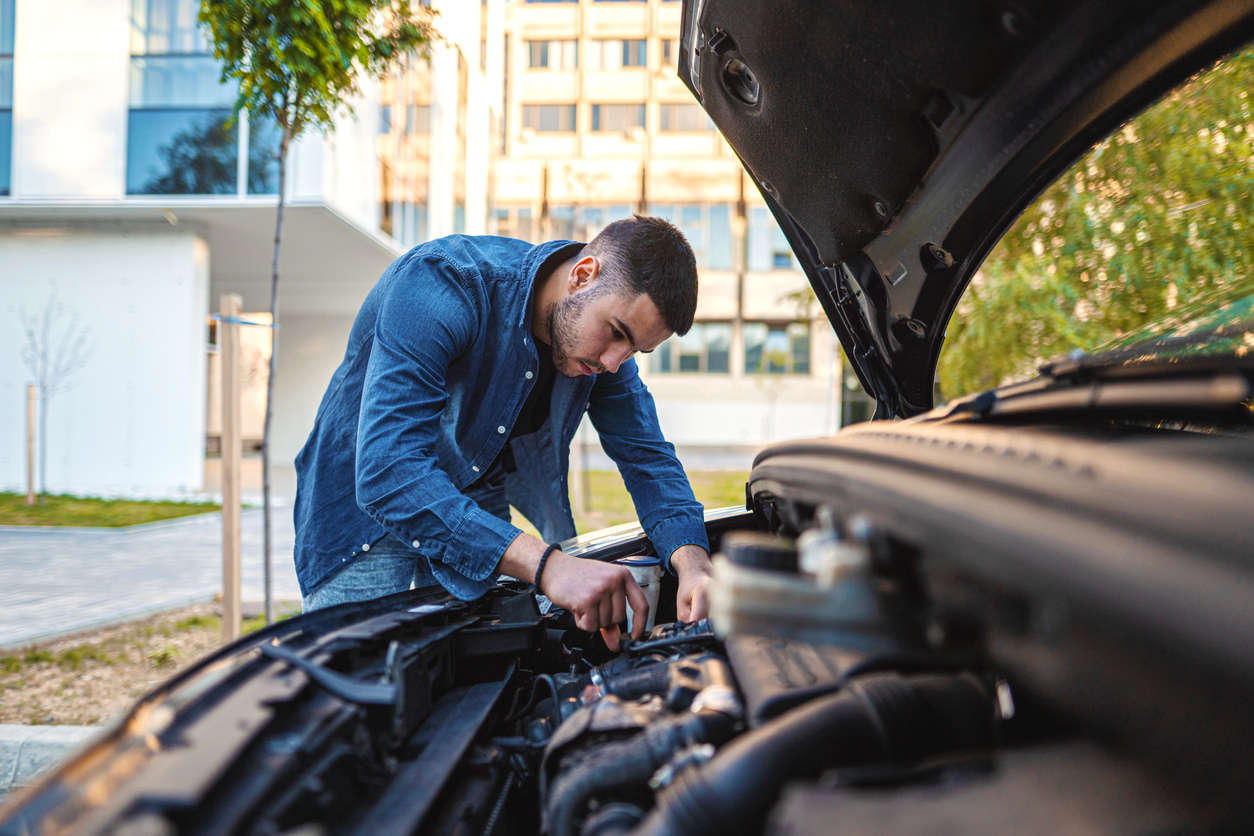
(1029, 610)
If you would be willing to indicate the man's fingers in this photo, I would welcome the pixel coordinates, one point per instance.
(619, 601)
(639, 606)
(610, 634)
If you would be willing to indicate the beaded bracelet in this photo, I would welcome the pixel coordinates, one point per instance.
(544, 558)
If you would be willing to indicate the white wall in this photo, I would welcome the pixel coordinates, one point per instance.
(70, 81)
(310, 350)
(134, 424)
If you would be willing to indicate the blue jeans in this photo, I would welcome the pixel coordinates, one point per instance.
(391, 566)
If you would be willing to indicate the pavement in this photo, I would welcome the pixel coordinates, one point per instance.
(54, 582)
(28, 751)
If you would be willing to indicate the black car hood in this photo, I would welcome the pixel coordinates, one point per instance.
(896, 142)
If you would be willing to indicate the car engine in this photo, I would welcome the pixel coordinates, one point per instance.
(818, 698)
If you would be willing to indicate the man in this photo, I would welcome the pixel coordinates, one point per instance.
(467, 372)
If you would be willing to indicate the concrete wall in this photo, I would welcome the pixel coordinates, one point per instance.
(70, 86)
(310, 350)
(134, 421)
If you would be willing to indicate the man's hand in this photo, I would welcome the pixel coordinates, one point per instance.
(692, 564)
(596, 593)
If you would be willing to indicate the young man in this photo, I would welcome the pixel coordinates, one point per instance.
(468, 370)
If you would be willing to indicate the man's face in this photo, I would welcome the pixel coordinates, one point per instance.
(595, 330)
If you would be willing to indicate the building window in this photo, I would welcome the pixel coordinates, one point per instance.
(777, 348)
(613, 53)
(707, 226)
(768, 248)
(706, 348)
(685, 117)
(178, 137)
(553, 55)
(404, 149)
(549, 118)
(7, 10)
(617, 117)
(670, 52)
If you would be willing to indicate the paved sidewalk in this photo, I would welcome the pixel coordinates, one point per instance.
(28, 751)
(57, 581)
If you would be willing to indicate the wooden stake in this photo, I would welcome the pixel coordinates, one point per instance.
(229, 355)
(30, 444)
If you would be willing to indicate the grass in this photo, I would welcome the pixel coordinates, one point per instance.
(611, 504)
(58, 509)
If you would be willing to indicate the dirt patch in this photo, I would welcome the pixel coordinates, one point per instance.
(88, 678)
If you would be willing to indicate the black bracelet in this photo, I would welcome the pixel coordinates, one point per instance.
(544, 558)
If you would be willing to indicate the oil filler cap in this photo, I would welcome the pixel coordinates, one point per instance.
(760, 551)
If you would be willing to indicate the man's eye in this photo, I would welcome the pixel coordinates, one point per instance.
(618, 335)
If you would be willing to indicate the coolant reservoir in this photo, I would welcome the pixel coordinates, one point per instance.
(830, 600)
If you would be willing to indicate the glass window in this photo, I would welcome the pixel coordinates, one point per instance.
(178, 137)
(549, 118)
(670, 52)
(707, 226)
(768, 248)
(553, 55)
(7, 10)
(166, 27)
(685, 117)
(617, 117)
(705, 348)
(616, 53)
(777, 349)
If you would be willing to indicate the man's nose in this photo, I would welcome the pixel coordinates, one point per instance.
(615, 357)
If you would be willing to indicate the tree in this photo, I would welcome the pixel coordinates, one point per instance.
(297, 63)
(53, 352)
(1154, 216)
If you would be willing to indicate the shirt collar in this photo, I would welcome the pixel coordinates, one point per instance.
(544, 257)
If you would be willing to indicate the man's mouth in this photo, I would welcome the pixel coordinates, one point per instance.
(585, 368)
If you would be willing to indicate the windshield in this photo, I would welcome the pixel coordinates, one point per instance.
(1212, 327)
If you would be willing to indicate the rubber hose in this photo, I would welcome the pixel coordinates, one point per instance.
(629, 763)
(875, 719)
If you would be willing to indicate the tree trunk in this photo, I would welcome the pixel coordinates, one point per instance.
(284, 143)
(43, 445)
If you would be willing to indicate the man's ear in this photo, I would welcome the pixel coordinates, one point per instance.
(583, 274)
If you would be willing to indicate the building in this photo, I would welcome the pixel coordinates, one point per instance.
(597, 126)
(130, 199)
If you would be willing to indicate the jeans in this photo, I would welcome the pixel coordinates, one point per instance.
(392, 566)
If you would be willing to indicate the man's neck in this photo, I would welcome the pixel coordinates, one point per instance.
(549, 289)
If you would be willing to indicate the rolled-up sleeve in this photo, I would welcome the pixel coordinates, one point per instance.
(430, 316)
(625, 417)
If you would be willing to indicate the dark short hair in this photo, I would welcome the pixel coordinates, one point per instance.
(642, 254)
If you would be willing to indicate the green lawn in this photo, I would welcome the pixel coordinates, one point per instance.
(611, 504)
(81, 511)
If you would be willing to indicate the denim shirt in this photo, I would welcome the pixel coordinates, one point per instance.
(439, 362)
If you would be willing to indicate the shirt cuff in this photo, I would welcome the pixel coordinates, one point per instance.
(674, 532)
(478, 544)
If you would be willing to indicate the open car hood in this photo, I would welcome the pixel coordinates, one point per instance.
(896, 142)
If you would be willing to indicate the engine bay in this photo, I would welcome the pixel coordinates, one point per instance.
(818, 698)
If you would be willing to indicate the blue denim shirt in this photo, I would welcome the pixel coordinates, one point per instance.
(439, 362)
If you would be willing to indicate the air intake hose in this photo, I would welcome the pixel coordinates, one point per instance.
(875, 719)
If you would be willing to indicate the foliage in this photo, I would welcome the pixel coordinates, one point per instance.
(1156, 215)
(298, 61)
(81, 511)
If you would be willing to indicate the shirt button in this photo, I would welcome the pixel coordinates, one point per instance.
(501, 430)
(529, 375)
(416, 544)
(475, 468)
(365, 547)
